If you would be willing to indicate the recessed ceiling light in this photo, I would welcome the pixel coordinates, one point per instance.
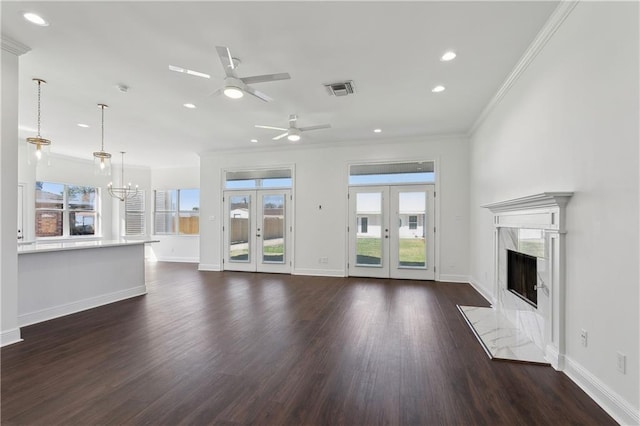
(191, 106)
(377, 130)
(448, 56)
(35, 19)
(254, 140)
(438, 89)
(83, 125)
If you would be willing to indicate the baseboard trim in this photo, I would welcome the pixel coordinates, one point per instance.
(555, 358)
(616, 406)
(451, 278)
(213, 267)
(178, 259)
(480, 289)
(9, 337)
(79, 306)
(320, 272)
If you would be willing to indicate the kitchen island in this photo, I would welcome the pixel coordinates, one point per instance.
(61, 278)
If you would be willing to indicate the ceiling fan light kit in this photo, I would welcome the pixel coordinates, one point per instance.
(293, 135)
(293, 132)
(233, 88)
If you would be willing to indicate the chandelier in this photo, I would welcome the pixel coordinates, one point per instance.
(124, 192)
(102, 159)
(39, 144)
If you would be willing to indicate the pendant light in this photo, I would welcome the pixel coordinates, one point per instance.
(102, 159)
(124, 192)
(38, 146)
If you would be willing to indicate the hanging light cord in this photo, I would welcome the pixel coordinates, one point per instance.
(102, 147)
(39, 83)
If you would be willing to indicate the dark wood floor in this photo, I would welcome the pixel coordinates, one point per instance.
(238, 348)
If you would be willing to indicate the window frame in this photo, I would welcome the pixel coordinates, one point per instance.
(176, 213)
(66, 211)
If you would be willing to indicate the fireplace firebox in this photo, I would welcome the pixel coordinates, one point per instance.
(522, 276)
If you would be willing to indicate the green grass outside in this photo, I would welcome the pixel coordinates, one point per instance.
(411, 249)
(276, 249)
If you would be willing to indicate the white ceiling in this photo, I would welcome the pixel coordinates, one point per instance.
(390, 50)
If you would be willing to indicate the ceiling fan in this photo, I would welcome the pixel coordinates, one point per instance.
(235, 87)
(293, 132)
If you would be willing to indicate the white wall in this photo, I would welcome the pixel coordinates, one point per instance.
(9, 332)
(570, 123)
(321, 175)
(175, 248)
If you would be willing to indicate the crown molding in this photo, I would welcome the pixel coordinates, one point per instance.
(561, 12)
(13, 46)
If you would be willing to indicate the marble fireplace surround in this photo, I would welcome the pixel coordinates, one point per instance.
(543, 324)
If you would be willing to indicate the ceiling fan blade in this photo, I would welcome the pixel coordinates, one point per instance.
(281, 136)
(226, 60)
(216, 92)
(188, 71)
(270, 127)
(318, 127)
(266, 78)
(250, 90)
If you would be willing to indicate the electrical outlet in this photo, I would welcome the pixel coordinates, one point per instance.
(583, 337)
(621, 362)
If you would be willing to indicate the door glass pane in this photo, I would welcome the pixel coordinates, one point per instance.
(273, 228)
(369, 229)
(412, 248)
(239, 228)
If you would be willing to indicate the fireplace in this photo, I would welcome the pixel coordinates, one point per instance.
(529, 245)
(522, 276)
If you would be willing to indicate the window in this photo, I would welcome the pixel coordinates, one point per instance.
(413, 222)
(65, 210)
(253, 179)
(177, 211)
(391, 173)
(364, 225)
(134, 215)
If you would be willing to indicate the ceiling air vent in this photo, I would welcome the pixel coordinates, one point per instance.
(340, 89)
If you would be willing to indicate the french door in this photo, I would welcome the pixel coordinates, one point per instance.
(391, 231)
(257, 231)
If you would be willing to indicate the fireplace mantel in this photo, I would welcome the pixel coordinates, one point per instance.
(537, 201)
